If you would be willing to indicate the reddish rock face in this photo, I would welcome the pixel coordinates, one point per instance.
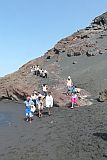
(84, 42)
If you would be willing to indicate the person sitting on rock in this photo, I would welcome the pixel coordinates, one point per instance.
(74, 100)
(29, 104)
(69, 84)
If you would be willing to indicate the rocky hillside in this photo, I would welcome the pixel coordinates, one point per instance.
(68, 57)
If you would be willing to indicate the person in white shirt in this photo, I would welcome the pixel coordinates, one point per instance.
(45, 89)
(49, 102)
(32, 69)
(43, 74)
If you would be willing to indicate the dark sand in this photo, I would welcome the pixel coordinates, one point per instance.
(78, 134)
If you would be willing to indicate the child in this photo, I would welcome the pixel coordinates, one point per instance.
(74, 99)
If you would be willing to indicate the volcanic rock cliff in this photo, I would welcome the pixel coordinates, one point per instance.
(70, 56)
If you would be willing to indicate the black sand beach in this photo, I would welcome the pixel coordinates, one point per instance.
(78, 134)
(68, 134)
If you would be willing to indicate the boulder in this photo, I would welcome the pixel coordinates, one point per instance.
(63, 100)
(102, 96)
(101, 51)
(48, 57)
(77, 53)
(74, 62)
(93, 52)
(69, 54)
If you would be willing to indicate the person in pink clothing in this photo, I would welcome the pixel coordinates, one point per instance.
(74, 100)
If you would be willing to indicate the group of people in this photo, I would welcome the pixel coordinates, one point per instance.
(37, 102)
(36, 70)
(72, 91)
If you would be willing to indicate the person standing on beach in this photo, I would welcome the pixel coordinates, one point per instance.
(34, 97)
(49, 102)
(29, 104)
(39, 103)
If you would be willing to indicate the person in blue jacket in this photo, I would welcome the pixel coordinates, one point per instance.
(28, 110)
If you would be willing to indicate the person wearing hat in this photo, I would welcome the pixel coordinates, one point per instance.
(69, 84)
(29, 104)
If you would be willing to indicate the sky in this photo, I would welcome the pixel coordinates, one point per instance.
(28, 28)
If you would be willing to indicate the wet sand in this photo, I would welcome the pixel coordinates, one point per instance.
(78, 134)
